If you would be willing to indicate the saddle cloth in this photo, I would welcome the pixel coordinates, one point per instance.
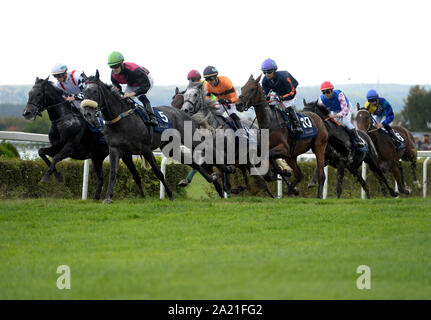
(400, 138)
(251, 136)
(310, 131)
(97, 136)
(162, 118)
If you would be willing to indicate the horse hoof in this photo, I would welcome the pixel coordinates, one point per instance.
(395, 194)
(107, 201)
(311, 185)
(183, 183)
(407, 192)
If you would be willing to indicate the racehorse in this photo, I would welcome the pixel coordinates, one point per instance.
(70, 136)
(127, 134)
(340, 146)
(281, 142)
(389, 156)
(195, 103)
(178, 99)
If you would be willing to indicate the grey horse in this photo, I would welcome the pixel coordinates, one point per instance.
(203, 112)
(126, 133)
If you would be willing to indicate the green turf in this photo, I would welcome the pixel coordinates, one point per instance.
(216, 249)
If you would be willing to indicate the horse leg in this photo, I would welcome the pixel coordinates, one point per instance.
(396, 173)
(278, 171)
(241, 188)
(320, 164)
(268, 190)
(313, 180)
(148, 154)
(362, 182)
(51, 151)
(64, 153)
(405, 189)
(97, 167)
(378, 172)
(340, 178)
(128, 160)
(114, 158)
(297, 173)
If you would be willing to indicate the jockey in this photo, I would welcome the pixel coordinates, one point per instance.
(337, 102)
(284, 85)
(194, 76)
(222, 88)
(72, 83)
(384, 115)
(138, 81)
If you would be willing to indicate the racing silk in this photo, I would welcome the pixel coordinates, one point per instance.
(381, 110)
(73, 85)
(134, 76)
(338, 104)
(283, 84)
(224, 90)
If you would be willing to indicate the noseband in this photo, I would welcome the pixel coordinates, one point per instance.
(248, 103)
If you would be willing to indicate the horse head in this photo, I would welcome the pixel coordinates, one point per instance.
(42, 95)
(315, 107)
(249, 94)
(194, 98)
(363, 120)
(178, 99)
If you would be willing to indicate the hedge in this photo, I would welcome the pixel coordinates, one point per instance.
(20, 179)
(351, 188)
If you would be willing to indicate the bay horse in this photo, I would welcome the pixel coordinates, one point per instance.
(201, 110)
(281, 142)
(339, 147)
(389, 156)
(70, 136)
(178, 99)
(127, 134)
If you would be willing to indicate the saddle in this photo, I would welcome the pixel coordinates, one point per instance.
(310, 131)
(402, 145)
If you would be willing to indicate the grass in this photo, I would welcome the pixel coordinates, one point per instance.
(240, 248)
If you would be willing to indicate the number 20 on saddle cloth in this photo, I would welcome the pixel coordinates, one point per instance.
(310, 130)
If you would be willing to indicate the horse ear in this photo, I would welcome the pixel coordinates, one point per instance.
(358, 106)
(304, 102)
(97, 74)
(84, 76)
(177, 90)
(258, 79)
(37, 79)
(46, 80)
(251, 77)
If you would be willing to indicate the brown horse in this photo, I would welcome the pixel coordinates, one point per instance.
(281, 143)
(389, 156)
(178, 99)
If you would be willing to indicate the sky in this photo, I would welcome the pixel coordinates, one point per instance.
(342, 41)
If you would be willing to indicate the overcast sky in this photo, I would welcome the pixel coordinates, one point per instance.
(341, 41)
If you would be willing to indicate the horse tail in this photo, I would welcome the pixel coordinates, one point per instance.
(145, 163)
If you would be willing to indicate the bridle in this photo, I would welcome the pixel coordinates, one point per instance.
(41, 107)
(370, 127)
(199, 100)
(248, 103)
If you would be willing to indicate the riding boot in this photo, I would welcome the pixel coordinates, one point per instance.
(397, 142)
(296, 125)
(357, 142)
(147, 105)
(236, 120)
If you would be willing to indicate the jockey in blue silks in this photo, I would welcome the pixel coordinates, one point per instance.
(383, 114)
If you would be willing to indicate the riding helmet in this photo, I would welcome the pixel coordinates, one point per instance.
(372, 94)
(326, 86)
(115, 58)
(269, 65)
(194, 75)
(210, 71)
(59, 68)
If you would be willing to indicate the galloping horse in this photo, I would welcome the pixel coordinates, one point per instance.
(195, 103)
(126, 133)
(339, 147)
(281, 143)
(389, 156)
(69, 136)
